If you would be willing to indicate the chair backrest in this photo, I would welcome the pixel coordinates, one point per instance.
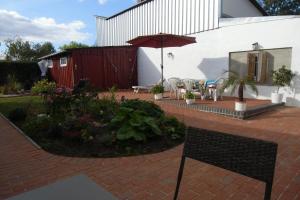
(188, 84)
(173, 83)
(247, 156)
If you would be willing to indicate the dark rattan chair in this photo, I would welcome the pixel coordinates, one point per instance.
(250, 157)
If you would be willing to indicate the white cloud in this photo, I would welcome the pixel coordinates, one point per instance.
(102, 2)
(39, 29)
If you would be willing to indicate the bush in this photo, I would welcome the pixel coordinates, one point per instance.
(171, 127)
(25, 72)
(102, 109)
(43, 87)
(38, 125)
(134, 124)
(189, 95)
(18, 114)
(157, 89)
(12, 86)
(148, 108)
(282, 77)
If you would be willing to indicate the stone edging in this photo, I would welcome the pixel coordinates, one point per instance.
(225, 111)
(21, 132)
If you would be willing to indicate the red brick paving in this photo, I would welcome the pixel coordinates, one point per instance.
(24, 167)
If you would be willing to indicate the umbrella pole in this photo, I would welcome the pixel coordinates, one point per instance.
(162, 66)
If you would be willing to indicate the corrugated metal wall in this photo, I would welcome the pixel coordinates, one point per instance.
(181, 17)
(63, 76)
(107, 66)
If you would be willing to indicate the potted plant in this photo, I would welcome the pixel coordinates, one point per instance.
(189, 97)
(236, 82)
(158, 91)
(281, 78)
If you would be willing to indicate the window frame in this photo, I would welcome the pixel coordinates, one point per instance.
(251, 50)
(63, 64)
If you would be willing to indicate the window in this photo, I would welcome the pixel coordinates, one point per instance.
(258, 65)
(50, 64)
(63, 61)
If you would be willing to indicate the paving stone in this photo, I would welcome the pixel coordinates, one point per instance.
(23, 167)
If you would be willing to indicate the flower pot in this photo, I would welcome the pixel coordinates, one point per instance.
(276, 97)
(190, 101)
(158, 96)
(240, 106)
(202, 97)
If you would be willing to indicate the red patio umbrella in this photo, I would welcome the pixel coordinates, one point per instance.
(162, 40)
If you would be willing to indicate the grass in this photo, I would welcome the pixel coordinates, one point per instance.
(7, 104)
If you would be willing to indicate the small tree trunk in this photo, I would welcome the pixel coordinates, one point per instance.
(241, 92)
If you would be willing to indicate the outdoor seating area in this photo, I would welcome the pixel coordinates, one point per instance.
(201, 89)
(154, 176)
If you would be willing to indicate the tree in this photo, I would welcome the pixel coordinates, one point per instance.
(73, 45)
(20, 50)
(281, 7)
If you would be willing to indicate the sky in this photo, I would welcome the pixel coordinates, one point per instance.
(57, 21)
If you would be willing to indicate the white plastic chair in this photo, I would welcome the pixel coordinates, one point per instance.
(188, 84)
(173, 82)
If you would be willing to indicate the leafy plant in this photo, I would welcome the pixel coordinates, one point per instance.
(12, 86)
(173, 128)
(44, 88)
(134, 124)
(150, 108)
(189, 95)
(18, 114)
(38, 125)
(282, 77)
(86, 136)
(235, 81)
(157, 89)
(102, 109)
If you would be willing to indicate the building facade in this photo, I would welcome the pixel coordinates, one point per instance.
(225, 31)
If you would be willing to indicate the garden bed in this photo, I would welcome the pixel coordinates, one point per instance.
(81, 124)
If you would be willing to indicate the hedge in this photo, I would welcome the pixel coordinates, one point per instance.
(25, 72)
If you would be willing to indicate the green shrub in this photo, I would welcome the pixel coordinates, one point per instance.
(102, 109)
(12, 86)
(189, 95)
(25, 72)
(157, 89)
(38, 125)
(43, 87)
(17, 114)
(148, 108)
(1, 89)
(134, 124)
(171, 127)
(282, 77)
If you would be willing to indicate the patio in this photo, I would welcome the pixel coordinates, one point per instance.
(24, 167)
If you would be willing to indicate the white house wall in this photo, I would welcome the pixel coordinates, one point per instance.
(181, 17)
(209, 57)
(239, 8)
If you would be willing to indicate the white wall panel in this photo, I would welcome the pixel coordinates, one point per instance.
(182, 17)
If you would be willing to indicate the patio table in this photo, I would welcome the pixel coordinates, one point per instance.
(78, 187)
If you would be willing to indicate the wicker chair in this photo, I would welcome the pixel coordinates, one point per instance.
(250, 157)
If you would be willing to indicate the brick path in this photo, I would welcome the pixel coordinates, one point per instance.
(24, 167)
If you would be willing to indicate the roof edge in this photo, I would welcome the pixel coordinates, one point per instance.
(259, 7)
(254, 2)
(130, 8)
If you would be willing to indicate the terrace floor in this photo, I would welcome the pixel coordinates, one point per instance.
(23, 167)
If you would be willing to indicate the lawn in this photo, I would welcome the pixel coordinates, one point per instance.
(28, 102)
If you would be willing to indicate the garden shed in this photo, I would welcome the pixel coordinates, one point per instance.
(104, 67)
